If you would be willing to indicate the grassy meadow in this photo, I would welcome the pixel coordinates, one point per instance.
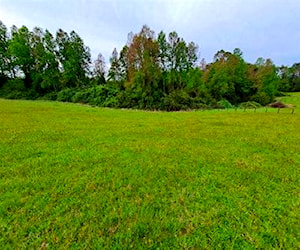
(79, 177)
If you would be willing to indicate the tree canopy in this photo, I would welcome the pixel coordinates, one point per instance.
(150, 72)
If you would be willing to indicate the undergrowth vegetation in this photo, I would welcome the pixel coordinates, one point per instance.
(74, 176)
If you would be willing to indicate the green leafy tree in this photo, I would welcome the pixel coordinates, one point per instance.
(192, 55)
(4, 59)
(266, 81)
(227, 77)
(242, 85)
(21, 54)
(32, 56)
(163, 57)
(218, 76)
(45, 67)
(75, 59)
(114, 73)
(124, 64)
(51, 74)
(295, 77)
(285, 74)
(182, 57)
(143, 67)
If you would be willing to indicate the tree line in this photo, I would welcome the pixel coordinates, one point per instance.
(150, 72)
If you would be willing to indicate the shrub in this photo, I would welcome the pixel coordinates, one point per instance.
(50, 96)
(66, 95)
(176, 100)
(15, 89)
(102, 95)
(225, 104)
(3, 80)
(262, 98)
(80, 96)
(111, 102)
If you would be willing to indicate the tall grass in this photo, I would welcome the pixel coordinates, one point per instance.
(73, 176)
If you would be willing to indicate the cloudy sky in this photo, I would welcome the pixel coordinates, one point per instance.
(260, 28)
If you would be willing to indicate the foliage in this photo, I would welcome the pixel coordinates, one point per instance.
(4, 64)
(289, 78)
(150, 72)
(15, 89)
(20, 51)
(99, 95)
(75, 59)
(66, 95)
(176, 100)
(225, 104)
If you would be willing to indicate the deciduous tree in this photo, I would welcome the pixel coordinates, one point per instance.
(4, 60)
(75, 59)
(99, 69)
(21, 54)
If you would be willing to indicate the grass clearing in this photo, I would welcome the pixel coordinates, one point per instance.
(74, 176)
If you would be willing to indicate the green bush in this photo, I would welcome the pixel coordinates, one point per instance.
(225, 104)
(80, 96)
(66, 95)
(15, 89)
(262, 98)
(101, 95)
(125, 100)
(3, 80)
(111, 102)
(52, 96)
(176, 100)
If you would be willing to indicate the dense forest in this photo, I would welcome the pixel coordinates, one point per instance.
(152, 72)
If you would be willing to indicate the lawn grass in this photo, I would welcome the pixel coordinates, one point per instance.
(79, 177)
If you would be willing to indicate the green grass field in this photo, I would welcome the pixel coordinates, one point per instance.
(79, 177)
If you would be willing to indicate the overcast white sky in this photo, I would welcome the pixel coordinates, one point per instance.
(260, 28)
